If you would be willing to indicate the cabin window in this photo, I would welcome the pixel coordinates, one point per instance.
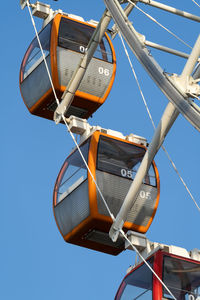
(182, 277)
(74, 172)
(76, 36)
(33, 56)
(137, 285)
(122, 159)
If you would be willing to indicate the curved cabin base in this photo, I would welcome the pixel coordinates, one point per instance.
(78, 108)
(79, 227)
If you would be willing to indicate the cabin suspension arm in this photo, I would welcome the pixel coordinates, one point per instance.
(75, 81)
(169, 116)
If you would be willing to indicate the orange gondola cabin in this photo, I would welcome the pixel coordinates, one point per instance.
(80, 213)
(64, 41)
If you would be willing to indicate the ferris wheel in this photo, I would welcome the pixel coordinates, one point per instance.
(107, 190)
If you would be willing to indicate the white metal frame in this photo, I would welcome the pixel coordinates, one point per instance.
(170, 9)
(146, 248)
(84, 129)
(177, 93)
(174, 94)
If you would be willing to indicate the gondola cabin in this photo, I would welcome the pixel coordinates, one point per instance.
(180, 272)
(80, 213)
(64, 41)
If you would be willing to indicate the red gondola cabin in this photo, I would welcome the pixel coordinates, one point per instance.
(181, 275)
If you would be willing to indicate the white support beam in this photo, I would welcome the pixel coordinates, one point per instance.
(166, 49)
(185, 82)
(23, 3)
(146, 248)
(172, 92)
(127, 11)
(170, 9)
(191, 62)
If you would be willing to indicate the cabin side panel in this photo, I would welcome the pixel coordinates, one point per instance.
(73, 209)
(36, 84)
(96, 79)
(115, 189)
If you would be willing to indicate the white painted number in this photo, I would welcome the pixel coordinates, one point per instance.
(145, 195)
(126, 173)
(82, 49)
(103, 71)
(123, 172)
(129, 174)
(192, 297)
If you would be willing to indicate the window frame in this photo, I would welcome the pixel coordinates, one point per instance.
(105, 55)
(32, 46)
(178, 258)
(124, 284)
(154, 178)
(64, 168)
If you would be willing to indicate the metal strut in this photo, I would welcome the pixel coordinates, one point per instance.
(172, 91)
(176, 93)
(75, 81)
(169, 116)
(169, 9)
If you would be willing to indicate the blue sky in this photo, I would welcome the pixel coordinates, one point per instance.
(35, 261)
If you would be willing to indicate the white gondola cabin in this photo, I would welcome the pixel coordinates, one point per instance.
(80, 213)
(64, 41)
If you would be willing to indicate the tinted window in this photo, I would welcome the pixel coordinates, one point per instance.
(33, 56)
(182, 278)
(137, 285)
(74, 172)
(76, 36)
(122, 159)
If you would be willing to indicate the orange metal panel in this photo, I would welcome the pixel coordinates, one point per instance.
(82, 95)
(114, 71)
(92, 159)
(40, 102)
(77, 235)
(53, 50)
